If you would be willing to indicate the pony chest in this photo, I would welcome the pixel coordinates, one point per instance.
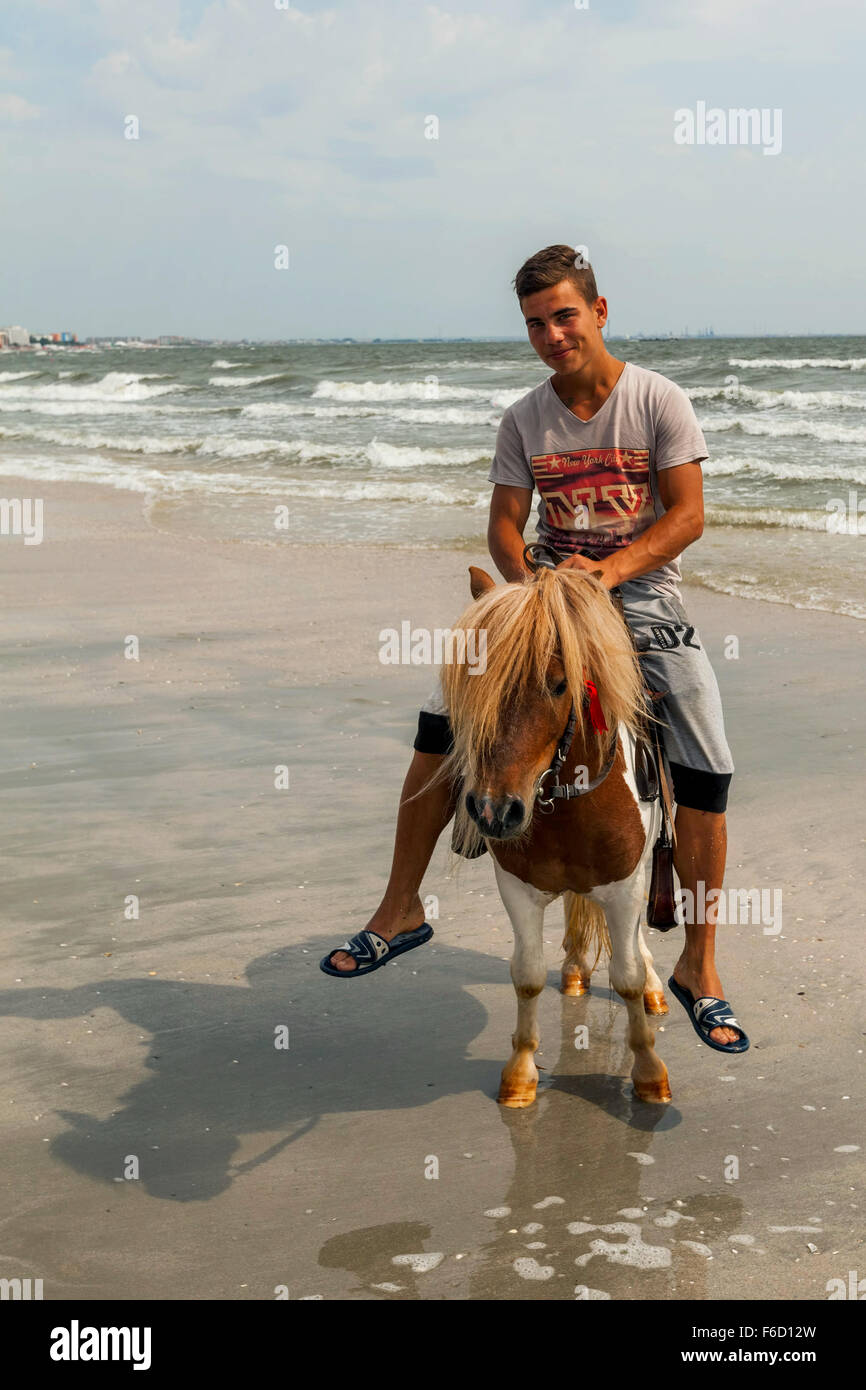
(582, 844)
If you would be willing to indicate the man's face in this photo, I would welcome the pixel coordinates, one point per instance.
(564, 330)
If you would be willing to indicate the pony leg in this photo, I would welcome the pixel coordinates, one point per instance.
(585, 940)
(654, 1001)
(628, 975)
(525, 906)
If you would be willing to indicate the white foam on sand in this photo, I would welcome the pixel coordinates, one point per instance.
(671, 1218)
(633, 1252)
(419, 1264)
(529, 1268)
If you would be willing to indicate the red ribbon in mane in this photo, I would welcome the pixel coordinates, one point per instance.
(595, 711)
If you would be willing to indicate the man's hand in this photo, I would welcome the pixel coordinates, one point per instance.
(602, 569)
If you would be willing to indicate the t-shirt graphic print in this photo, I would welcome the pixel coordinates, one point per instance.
(594, 499)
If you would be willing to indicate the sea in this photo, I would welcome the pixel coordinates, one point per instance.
(390, 444)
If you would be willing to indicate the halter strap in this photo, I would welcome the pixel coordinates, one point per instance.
(568, 791)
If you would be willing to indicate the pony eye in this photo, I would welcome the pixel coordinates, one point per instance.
(560, 689)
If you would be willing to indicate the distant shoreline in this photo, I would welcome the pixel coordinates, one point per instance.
(99, 344)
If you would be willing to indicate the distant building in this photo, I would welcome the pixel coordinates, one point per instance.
(16, 336)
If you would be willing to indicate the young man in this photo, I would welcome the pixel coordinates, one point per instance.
(615, 452)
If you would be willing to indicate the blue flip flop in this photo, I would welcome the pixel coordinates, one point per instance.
(371, 950)
(708, 1013)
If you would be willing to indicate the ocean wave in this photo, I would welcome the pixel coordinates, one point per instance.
(769, 400)
(224, 366)
(770, 518)
(732, 465)
(415, 415)
(168, 445)
(395, 391)
(139, 410)
(190, 482)
(383, 455)
(467, 364)
(503, 399)
(422, 494)
(824, 430)
(120, 387)
(749, 586)
(795, 364)
(377, 454)
(246, 380)
(17, 376)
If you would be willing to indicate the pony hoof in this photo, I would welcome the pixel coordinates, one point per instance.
(516, 1097)
(655, 1092)
(654, 1002)
(574, 985)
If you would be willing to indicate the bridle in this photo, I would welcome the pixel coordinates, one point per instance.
(536, 556)
(568, 791)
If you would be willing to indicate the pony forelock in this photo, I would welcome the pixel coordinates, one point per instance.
(567, 613)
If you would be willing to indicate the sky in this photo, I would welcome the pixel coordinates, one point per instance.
(263, 124)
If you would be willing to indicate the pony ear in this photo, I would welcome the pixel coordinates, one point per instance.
(597, 574)
(479, 581)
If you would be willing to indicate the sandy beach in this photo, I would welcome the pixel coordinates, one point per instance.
(146, 1031)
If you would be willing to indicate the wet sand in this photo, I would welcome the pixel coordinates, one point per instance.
(148, 1043)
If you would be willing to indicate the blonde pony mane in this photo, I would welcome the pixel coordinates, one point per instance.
(564, 612)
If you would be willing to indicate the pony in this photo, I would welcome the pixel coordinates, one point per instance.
(561, 696)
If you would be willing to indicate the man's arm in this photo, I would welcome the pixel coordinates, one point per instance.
(509, 513)
(682, 493)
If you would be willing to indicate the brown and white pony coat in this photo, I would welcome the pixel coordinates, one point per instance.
(545, 639)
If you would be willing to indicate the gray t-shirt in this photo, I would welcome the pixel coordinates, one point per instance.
(597, 478)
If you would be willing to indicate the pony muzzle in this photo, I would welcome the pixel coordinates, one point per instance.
(497, 817)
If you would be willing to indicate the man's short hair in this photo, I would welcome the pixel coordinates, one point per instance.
(550, 267)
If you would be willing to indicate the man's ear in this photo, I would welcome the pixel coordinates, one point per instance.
(479, 581)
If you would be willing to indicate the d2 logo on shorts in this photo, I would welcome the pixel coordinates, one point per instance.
(667, 639)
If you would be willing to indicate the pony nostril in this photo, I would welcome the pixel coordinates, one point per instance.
(514, 814)
(479, 808)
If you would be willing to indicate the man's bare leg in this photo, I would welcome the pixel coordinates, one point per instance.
(419, 824)
(702, 842)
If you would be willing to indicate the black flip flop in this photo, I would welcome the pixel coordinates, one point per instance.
(371, 950)
(707, 1013)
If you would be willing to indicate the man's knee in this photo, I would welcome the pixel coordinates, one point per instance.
(434, 734)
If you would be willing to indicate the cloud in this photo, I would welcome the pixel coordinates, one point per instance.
(16, 108)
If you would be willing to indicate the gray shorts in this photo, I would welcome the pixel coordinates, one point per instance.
(693, 726)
